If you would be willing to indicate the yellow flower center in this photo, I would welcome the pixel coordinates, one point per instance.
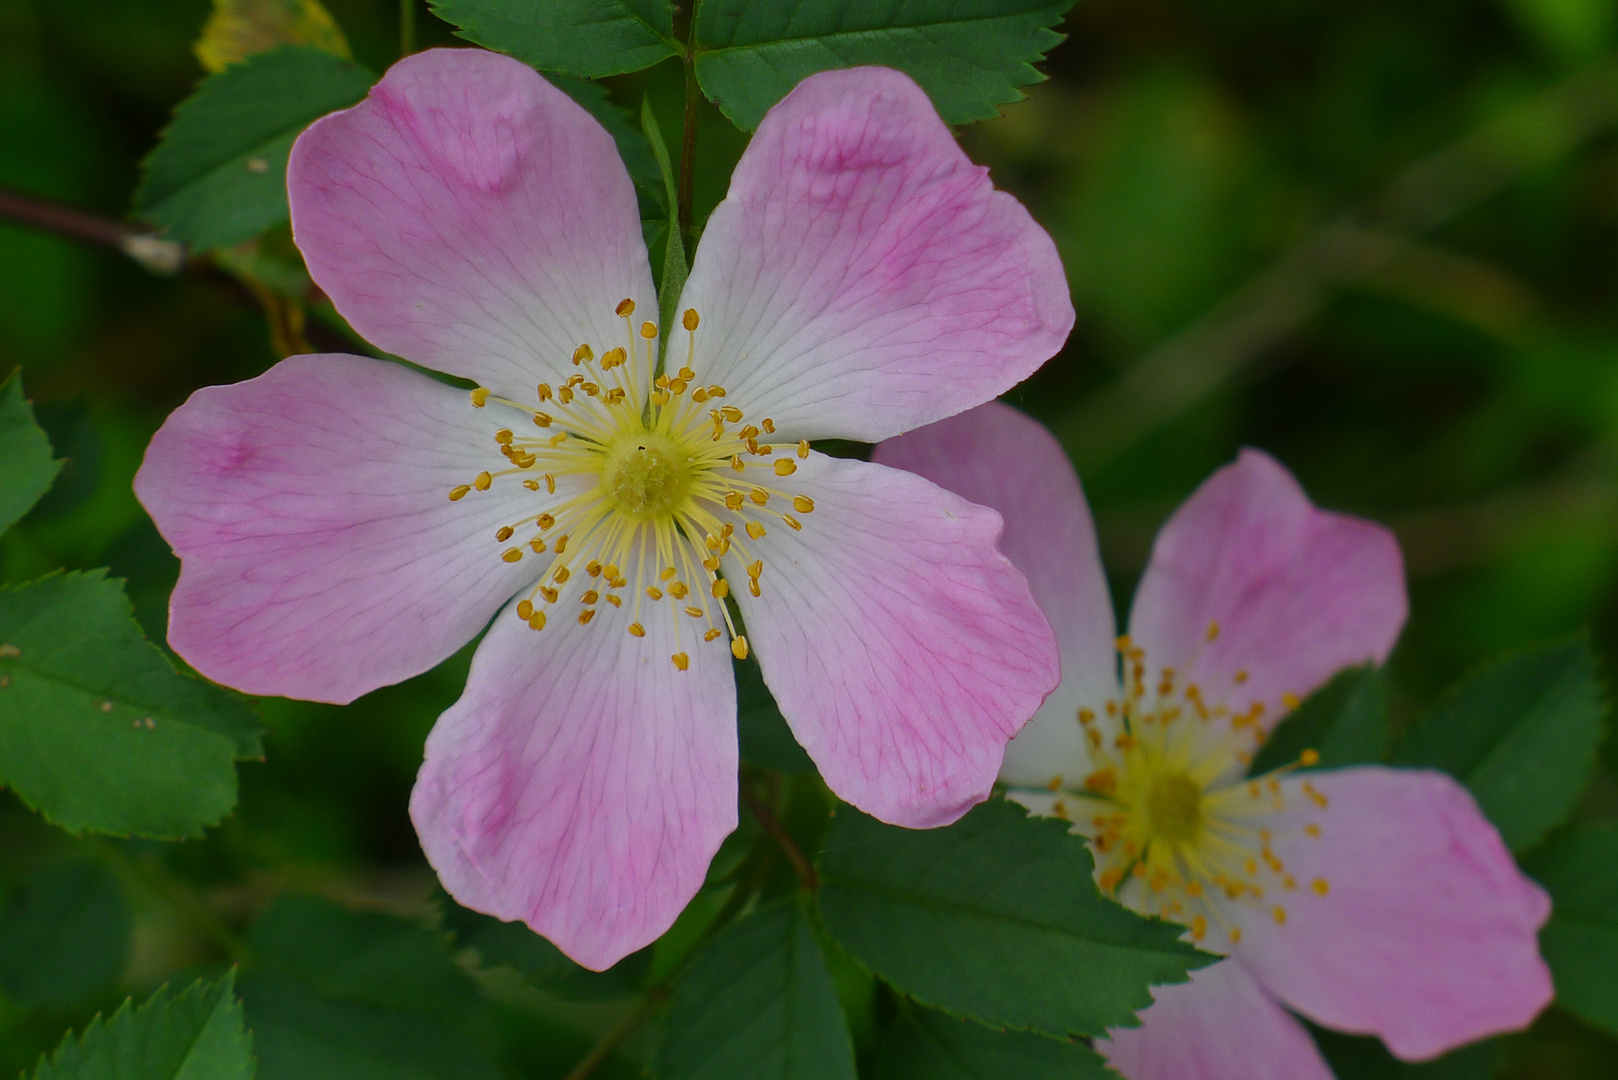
(1178, 829)
(653, 487)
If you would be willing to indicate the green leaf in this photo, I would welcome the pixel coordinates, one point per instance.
(1521, 734)
(928, 1045)
(64, 934)
(586, 38)
(997, 918)
(1345, 722)
(513, 945)
(340, 995)
(674, 265)
(218, 176)
(1580, 942)
(1358, 1057)
(766, 740)
(757, 1004)
(29, 467)
(197, 1035)
(97, 730)
(969, 55)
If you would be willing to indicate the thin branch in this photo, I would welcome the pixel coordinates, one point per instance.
(407, 27)
(622, 1030)
(783, 839)
(688, 145)
(152, 252)
(1347, 250)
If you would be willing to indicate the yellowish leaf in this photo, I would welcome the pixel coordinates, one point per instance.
(239, 28)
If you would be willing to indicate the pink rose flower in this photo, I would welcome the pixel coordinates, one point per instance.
(344, 523)
(1370, 900)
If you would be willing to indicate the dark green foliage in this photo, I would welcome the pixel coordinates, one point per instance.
(766, 740)
(26, 452)
(996, 918)
(970, 57)
(513, 945)
(1521, 733)
(757, 1004)
(218, 177)
(64, 934)
(1580, 943)
(586, 38)
(1345, 722)
(97, 730)
(1356, 1057)
(341, 995)
(928, 1045)
(195, 1035)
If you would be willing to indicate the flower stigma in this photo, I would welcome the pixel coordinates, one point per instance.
(1177, 827)
(652, 484)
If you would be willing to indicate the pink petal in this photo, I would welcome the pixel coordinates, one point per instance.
(471, 217)
(997, 457)
(1427, 935)
(1297, 593)
(903, 649)
(582, 783)
(320, 554)
(862, 276)
(1222, 1025)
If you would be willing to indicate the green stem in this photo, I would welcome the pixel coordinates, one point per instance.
(777, 832)
(688, 144)
(622, 1030)
(407, 27)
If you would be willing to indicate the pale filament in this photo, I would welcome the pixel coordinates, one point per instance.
(662, 483)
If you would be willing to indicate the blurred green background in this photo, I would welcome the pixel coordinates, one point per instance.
(1378, 239)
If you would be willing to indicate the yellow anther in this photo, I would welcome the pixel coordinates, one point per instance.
(1213, 631)
(769, 426)
(803, 451)
(755, 530)
(536, 621)
(752, 586)
(550, 483)
(482, 481)
(504, 533)
(748, 432)
(544, 391)
(524, 609)
(759, 496)
(699, 395)
(677, 387)
(544, 521)
(785, 467)
(1321, 886)
(1312, 829)
(792, 522)
(615, 601)
(480, 397)
(803, 504)
(690, 319)
(564, 394)
(561, 544)
(715, 390)
(711, 563)
(1123, 643)
(610, 572)
(654, 593)
(660, 398)
(731, 413)
(648, 330)
(1199, 928)
(586, 615)
(738, 648)
(667, 573)
(686, 373)
(1241, 677)
(548, 593)
(625, 308)
(755, 568)
(637, 630)
(542, 419)
(733, 501)
(678, 590)
(1235, 935)
(613, 358)
(1309, 758)
(1280, 915)
(561, 575)
(737, 463)
(1314, 795)
(591, 389)
(712, 635)
(456, 494)
(1290, 700)
(694, 612)
(503, 436)
(591, 597)
(583, 354)
(681, 660)
(512, 554)
(721, 589)
(536, 545)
